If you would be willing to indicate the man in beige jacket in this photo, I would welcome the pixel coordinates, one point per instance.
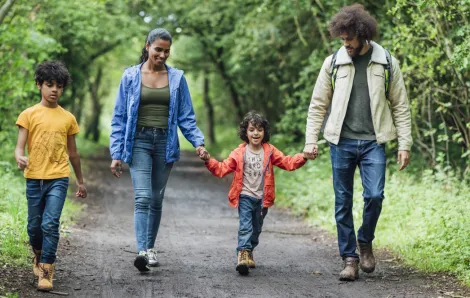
(362, 86)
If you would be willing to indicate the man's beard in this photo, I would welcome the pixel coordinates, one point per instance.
(357, 50)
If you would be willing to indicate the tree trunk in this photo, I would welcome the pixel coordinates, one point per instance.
(93, 127)
(228, 80)
(209, 110)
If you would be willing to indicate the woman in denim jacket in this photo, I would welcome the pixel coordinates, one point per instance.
(152, 101)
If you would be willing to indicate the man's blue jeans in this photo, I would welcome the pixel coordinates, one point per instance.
(46, 199)
(149, 174)
(370, 158)
(251, 216)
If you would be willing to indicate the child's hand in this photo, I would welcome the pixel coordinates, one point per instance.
(22, 162)
(205, 156)
(310, 151)
(81, 191)
(202, 153)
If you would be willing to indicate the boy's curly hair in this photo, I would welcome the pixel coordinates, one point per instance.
(49, 71)
(355, 21)
(257, 120)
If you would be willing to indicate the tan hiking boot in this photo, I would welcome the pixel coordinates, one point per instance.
(45, 277)
(367, 262)
(251, 261)
(242, 266)
(36, 259)
(351, 269)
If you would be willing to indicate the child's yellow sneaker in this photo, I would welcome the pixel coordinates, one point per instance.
(45, 277)
(242, 266)
(251, 261)
(36, 259)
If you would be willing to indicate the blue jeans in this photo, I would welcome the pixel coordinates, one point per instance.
(46, 199)
(251, 216)
(370, 158)
(149, 174)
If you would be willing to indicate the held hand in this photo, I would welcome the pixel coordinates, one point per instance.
(403, 159)
(81, 191)
(116, 168)
(22, 162)
(310, 151)
(205, 156)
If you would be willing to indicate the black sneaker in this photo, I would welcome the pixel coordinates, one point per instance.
(141, 262)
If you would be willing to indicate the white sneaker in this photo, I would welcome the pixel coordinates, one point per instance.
(141, 261)
(152, 255)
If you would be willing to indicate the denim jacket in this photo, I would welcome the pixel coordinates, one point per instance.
(124, 121)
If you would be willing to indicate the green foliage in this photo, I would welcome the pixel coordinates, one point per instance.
(14, 245)
(424, 217)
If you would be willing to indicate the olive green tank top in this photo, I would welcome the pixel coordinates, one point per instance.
(153, 107)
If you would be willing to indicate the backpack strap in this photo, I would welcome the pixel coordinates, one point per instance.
(388, 70)
(333, 69)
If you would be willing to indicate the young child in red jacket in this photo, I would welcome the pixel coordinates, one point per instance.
(252, 190)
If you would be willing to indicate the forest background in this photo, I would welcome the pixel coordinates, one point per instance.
(263, 55)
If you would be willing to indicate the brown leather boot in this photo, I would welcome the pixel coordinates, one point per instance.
(251, 261)
(46, 276)
(36, 259)
(242, 266)
(367, 262)
(351, 269)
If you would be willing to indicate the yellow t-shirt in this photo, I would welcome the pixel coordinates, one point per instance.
(48, 129)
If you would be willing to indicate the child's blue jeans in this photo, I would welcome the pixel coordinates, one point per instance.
(46, 199)
(251, 216)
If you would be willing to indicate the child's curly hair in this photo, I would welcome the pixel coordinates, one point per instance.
(257, 120)
(354, 20)
(49, 71)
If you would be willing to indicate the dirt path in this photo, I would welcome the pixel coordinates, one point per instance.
(196, 245)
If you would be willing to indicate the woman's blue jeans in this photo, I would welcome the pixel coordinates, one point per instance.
(370, 158)
(149, 174)
(46, 200)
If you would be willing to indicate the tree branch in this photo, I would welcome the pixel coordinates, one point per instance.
(5, 9)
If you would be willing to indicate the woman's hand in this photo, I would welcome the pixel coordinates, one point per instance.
(202, 153)
(116, 168)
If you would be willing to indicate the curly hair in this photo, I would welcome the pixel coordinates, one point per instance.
(355, 21)
(49, 71)
(258, 121)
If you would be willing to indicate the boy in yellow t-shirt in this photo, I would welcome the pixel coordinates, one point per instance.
(50, 132)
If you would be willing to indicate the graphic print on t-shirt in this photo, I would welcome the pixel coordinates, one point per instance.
(49, 149)
(253, 174)
(254, 164)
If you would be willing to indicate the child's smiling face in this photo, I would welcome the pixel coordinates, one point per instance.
(255, 134)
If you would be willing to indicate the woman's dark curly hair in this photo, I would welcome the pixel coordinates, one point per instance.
(49, 71)
(258, 121)
(355, 21)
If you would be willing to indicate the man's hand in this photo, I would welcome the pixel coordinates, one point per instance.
(116, 168)
(81, 191)
(403, 159)
(310, 151)
(22, 162)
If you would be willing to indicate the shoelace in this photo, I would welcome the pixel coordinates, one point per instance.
(46, 273)
(244, 255)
